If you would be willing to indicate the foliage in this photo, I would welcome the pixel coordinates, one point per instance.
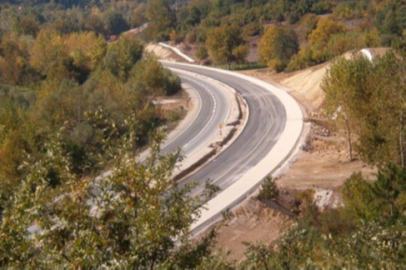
(369, 97)
(346, 87)
(115, 23)
(202, 53)
(308, 23)
(390, 20)
(161, 19)
(156, 79)
(14, 61)
(319, 37)
(77, 84)
(361, 235)
(127, 218)
(269, 190)
(326, 41)
(121, 56)
(226, 44)
(350, 9)
(277, 46)
(72, 105)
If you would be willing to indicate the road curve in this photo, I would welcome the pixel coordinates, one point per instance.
(266, 121)
(272, 131)
(204, 127)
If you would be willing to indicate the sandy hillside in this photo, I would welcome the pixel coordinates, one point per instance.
(307, 84)
(163, 53)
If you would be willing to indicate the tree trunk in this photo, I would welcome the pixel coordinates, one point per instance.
(347, 129)
(391, 207)
(152, 265)
(265, 264)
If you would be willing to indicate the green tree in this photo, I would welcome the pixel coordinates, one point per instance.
(155, 78)
(258, 256)
(356, 235)
(122, 55)
(359, 198)
(95, 23)
(226, 44)
(390, 21)
(347, 93)
(269, 189)
(15, 68)
(49, 55)
(86, 48)
(278, 44)
(115, 23)
(390, 183)
(319, 37)
(325, 28)
(133, 218)
(202, 53)
(383, 139)
(368, 100)
(161, 19)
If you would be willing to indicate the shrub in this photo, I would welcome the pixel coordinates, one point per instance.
(202, 53)
(277, 65)
(269, 190)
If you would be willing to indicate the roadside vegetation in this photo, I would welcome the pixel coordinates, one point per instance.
(73, 105)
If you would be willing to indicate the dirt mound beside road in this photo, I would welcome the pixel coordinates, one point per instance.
(163, 53)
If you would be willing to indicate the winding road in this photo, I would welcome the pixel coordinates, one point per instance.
(265, 123)
(272, 133)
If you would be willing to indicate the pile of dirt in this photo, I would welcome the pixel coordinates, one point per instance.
(252, 222)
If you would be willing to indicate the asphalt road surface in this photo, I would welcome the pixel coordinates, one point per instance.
(266, 121)
(214, 108)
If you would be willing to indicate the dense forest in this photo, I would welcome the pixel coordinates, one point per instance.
(74, 103)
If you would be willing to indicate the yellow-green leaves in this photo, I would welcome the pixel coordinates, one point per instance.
(226, 44)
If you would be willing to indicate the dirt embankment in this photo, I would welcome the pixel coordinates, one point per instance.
(163, 53)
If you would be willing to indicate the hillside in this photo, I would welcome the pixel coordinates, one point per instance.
(78, 98)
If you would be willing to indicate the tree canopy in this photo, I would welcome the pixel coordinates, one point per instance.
(370, 98)
(277, 46)
(226, 44)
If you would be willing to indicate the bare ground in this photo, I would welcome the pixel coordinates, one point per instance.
(251, 222)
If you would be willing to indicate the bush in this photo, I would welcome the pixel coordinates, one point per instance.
(277, 65)
(277, 46)
(173, 116)
(269, 190)
(252, 29)
(202, 53)
(305, 58)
